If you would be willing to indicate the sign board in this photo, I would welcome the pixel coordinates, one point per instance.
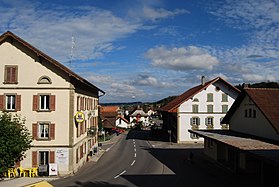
(53, 169)
(79, 117)
(42, 168)
(62, 156)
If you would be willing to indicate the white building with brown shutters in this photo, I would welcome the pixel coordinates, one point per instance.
(59, 106)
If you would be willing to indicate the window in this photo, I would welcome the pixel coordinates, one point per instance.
(44, 102)
(194, 136)
(44, 130)
(44, 80)
(196, 100)
(195, 122)
(209, 108)
(10, 102)
(10, 75)
(209, 122)
(210, 97)
(43, 157)
(224, 97)
(195, 108)
(224, 108)
(250, 113)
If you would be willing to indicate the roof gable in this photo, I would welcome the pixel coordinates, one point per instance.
(73, 77)
(175, 103)
(267, 101)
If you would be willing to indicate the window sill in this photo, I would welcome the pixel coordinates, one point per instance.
(10, 82)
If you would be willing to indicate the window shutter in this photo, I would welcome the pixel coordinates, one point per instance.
(35, 131)
(35, 102)
(17, 164)
(191, 121)
(206, 121)
(198, 122)
(1, 102)
(52, 102)
(13, 75)
(51, 157)
(78, 103)
(18, 102)
(52, 131)
(34, 159)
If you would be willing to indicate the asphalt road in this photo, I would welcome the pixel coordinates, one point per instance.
(128, 158)
(138, 159)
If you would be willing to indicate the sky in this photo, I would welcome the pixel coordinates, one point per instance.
(146, 50)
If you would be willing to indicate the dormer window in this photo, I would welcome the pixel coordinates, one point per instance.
(44, 80)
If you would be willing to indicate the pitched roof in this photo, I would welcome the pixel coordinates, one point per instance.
(109, 109)
(124, 119)
(175, 103)
(138, 111)
(267, 101)
(75, 79)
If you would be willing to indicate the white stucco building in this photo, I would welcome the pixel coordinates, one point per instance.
(201, 107)
(59, 106)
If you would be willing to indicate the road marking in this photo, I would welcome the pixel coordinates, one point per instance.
(135, 155)
(107, 149)
(120, 174)
(133, 162)
(135, 150)
(134, 145)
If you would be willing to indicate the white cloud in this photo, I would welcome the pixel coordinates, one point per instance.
(46, 28)
(258, 78)
(121, 91)
(154, 14)
(146, 80)
(183, 58)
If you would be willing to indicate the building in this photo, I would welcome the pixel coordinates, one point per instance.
(201, 107)
(251, 147)
(59, 106)
(123, 123)
(108, 116)
(138, 115)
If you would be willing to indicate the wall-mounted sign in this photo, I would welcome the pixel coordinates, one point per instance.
(79, 117)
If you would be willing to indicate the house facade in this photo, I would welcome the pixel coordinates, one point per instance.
(251, 146)
(201, 107)
(138, 115)
(121, 122)
(59, 106)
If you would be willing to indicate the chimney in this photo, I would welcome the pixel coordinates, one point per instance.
(202, 80)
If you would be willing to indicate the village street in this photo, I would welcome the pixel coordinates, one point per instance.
(137, 159)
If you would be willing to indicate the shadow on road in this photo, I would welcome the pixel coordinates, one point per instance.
(97, 184)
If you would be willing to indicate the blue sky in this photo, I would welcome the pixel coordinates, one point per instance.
(146, 50)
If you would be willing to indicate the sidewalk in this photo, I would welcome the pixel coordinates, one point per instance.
(37, 181)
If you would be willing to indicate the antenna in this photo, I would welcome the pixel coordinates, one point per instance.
(72, 50)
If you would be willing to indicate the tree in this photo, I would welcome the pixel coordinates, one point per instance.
(15, 139)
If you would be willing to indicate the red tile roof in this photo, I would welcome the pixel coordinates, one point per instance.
(266, 99)
(174, 104)
(109, 109)
(75, 79)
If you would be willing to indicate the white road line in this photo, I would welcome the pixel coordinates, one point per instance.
(135, 150)
(107, 149)
(135, 155)
(133, 162)
(134, 145)
(120, 174)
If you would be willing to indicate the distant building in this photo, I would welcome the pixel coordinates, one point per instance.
(138, 115)
(121, 122)
(201, 107)
(251, 146)
(59, 106)
(108, 116)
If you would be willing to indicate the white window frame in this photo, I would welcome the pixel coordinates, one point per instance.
(46, 131)
(10, 102)
(44, 102)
